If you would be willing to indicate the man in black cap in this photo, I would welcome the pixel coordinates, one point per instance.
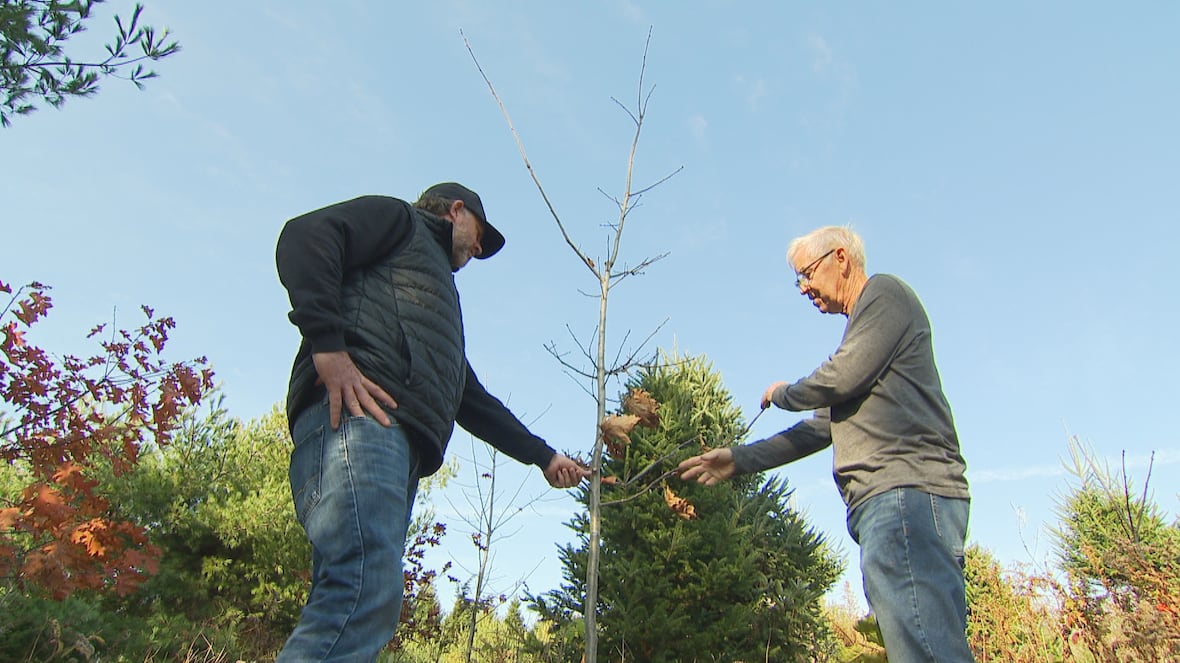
(373, 294)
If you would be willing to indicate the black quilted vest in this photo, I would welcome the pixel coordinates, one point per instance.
(404, 331)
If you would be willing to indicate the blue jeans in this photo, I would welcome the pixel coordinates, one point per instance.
(353, 489)
(911, 557)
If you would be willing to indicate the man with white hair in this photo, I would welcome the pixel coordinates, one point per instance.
(879, 404)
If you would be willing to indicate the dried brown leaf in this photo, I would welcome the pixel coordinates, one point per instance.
(615, 432)
(679, 505)
(641, 404)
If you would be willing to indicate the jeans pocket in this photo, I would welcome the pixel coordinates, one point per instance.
(950, 522)
(306, 471)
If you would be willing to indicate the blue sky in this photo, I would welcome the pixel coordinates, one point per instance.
(1017, 163)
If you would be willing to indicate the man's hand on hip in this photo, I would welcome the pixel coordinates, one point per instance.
(346, 385)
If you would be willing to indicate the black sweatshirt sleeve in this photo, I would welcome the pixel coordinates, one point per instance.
(484, 416)
(317, 249)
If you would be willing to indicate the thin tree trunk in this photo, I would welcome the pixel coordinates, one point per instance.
(488, 527)
(595, 506)
(602, 371)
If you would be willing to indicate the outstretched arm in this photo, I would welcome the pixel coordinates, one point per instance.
(486, 417)
(802, 439)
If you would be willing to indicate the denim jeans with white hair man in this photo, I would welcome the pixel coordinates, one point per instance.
(354, 490)
(911, 557)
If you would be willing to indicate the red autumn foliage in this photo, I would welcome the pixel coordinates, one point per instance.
(417, 623)
(64, 415)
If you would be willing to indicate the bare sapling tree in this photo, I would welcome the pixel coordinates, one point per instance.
(489, 512)
(607, 273)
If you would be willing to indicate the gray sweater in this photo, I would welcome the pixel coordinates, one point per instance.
(878, 402)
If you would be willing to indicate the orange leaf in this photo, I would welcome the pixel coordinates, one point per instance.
(641, 404)
(91, 536)
(9, 518)
(44, 567)
(12, 337)
(609, 481)
(48, 507)
(679, 505)
(7, 558)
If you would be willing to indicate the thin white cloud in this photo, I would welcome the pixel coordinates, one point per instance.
(828, 66)
(1133, 462)
(634, 12)
(1015, 473)
(753, 90)
(698, 126)
(821, 53)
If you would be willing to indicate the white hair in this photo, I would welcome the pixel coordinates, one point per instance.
(821, 240)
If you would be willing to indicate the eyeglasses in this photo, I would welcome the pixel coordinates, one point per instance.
(804, 275)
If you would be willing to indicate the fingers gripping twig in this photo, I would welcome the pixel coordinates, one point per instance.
(672, 472)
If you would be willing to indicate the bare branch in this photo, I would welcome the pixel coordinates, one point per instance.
(622, 344)
(586, 349)
(527, 164)
(610, 198)
(659, 182)
(642, 69)
(631, 359)
(626, 110)
(1127, 501)
(649, 93)
(641, 491)
(614, 252)
(1146, 482)
(638, 269)
(571, 367)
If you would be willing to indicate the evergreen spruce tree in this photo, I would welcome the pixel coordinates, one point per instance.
(731, 573)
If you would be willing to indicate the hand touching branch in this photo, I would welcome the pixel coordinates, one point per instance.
(564, 472)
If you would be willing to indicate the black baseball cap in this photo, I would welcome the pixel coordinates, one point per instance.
(492, 240)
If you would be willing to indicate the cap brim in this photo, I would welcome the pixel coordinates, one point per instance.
(491, 243)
